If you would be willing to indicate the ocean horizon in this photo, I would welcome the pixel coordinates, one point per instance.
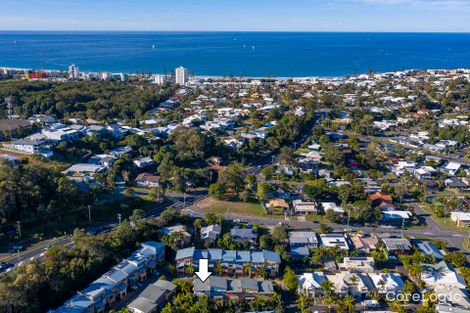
(224, 53)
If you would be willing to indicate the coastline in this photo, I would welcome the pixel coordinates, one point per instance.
(280, 78)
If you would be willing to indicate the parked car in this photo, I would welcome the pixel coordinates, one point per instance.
(6, 267)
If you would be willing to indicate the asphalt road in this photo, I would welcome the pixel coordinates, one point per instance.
(188, 203)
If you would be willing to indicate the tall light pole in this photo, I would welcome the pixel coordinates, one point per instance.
(18, 225)
(402, 226)
(119, 218)
(89, 213)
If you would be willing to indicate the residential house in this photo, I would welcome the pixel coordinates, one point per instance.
(120, 152)
(147, 180)
(387, 282)
(454, 183)
(184, 237)
(356, 284)
(32, 147)
(84, 169)
(442, 274)
(394, 216)
(233, 262)
(449, 308)
(244, 235)
(103, 159)
(10, 158)
(228, 289)
(452, 168)
(144, 162)
(210, 233)
(461, 219)
(153, 298)
(276, 206)
(364, 242)
(428, 248)
(304, 207)
(301, 242)
(358, 264)
(378, 198)
(394, 244)
(335, 240)
(332, 206)
(311, 283)
(61, 133)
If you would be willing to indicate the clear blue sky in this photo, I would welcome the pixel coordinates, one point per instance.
(225, 15)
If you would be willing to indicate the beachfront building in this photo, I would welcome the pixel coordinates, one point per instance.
(181, 75)
(74, 71)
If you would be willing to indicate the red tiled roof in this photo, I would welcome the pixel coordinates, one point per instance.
(148, 177)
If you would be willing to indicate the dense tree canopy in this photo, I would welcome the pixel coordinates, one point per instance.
(92, 99)
(30, 190)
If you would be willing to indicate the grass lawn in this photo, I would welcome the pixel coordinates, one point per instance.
(316, 218)
(466, 245)
(445, 222)
(252, 207)
(302, 150)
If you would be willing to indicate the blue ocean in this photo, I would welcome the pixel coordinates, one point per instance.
(248, 54)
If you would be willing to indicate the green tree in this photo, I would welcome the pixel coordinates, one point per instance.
(216, 190)
(289, 279)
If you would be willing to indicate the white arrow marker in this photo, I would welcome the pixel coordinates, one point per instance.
(203, 272)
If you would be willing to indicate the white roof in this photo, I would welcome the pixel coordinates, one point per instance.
(85, 167)
(332, 206)
(311, 280)
(397, 214)
(393, 281)
(442, 274)
(334, 240)
(461, 216)
(452, 166)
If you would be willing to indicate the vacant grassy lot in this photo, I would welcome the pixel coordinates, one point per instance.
(445, 222)
(252, 207)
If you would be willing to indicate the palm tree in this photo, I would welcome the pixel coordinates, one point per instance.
(247, 269)
(327, 287)
(354, 279)
(382, 284)
(190, 269)
(304, 301)
(261, 271)
(218, 268)
(348, 303)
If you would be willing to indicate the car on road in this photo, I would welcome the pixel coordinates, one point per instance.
(6, 267)
(17, 248)
(237, 220)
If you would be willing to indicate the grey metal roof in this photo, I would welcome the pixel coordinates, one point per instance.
(249, 283)
(152, 293)
(271, 256)
(142, 304)
(115, 275)
(185, 253)
(165, 284)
